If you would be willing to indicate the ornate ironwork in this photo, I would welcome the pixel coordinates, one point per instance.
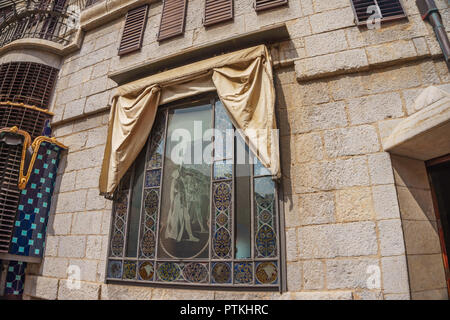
(56, 21)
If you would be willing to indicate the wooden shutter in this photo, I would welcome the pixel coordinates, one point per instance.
(172, 19)
(390, 10)
(10, 157)
(217, 11)
(261, 5)
(133, 31)
(27, 82)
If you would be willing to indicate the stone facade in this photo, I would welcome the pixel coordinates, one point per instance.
(351, 218)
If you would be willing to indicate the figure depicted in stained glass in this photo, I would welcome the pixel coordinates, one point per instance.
(185, 205)
(194, 199)
(178, 218)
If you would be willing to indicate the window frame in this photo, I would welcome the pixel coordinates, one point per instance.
(430, 165)
(280, 257)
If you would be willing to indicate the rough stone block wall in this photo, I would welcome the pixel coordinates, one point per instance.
(340, 92)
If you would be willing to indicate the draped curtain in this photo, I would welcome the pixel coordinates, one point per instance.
(244, 83)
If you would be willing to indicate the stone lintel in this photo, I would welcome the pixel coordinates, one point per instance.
(425, 134)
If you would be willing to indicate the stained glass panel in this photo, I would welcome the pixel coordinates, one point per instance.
(152, 178)
(115, 269)
(146, 270)
(119, 223)
(243, 273)
(222, 200)
(168, 272)
(195, 272)
(221, 272)
(129, 270)
(148, 239)
(156, 142)
(266, 239)
(198, 223)
(266, 272)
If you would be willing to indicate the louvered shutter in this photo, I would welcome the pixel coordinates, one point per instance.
(390, 9)
(133, 31)
(217, 11)
(27, 82)
(261, 5)
(172, 19)
(10, 158)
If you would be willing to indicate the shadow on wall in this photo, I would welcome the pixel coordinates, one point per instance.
(52, 229)
(281, 76)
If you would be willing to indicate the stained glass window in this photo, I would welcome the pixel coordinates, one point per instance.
(197, 207)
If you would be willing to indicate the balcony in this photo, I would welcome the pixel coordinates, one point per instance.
(49, 23)
(91, 2)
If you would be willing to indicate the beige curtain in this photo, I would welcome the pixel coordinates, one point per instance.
(130, 122)
(246, 90)
(244, 83)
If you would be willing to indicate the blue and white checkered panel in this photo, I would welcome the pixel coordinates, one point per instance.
(15, 278)
(31, 224)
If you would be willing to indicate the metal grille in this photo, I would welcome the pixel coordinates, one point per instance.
(217, 11)
(26, 119)
(133, 31)
(172, 19)
(389, 9)
(10, 157)
(261, 5)
(27, 82)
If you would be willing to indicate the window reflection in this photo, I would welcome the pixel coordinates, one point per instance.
(184, 224)
(135, 210)
(243, 200)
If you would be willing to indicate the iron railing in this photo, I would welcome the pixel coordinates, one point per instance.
(91, 2)
(53, 20)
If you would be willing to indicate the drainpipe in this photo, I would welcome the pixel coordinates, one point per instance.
(430, 12)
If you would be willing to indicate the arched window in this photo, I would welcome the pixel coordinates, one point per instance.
(196, 210)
